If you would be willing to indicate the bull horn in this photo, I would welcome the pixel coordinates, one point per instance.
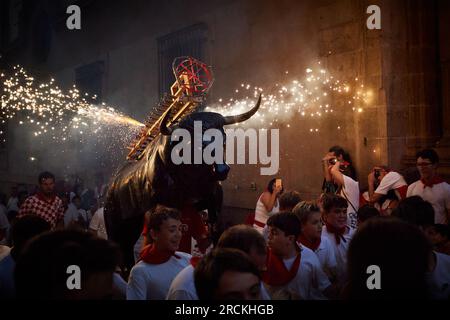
(163, 126)
(244, 116)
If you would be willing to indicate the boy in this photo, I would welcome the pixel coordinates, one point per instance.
(334, 215)
(227, 274)
(431, 187)
(241, 237)
(419, 212)
(366, 212)
(291, 267)
(308, 214)
(160, 261)
(42, 273)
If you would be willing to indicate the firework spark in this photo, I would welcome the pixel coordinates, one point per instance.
(50, 110)
(64, 117)
(315, 96)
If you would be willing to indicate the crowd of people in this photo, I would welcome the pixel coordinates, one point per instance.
(289, 248)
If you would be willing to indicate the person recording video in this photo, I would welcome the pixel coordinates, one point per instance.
(386, 189)
(268, 203)
(337, 173)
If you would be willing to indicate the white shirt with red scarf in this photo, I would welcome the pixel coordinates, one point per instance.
(340, 250)
(325, 254)
(438, 194)
(309, 281)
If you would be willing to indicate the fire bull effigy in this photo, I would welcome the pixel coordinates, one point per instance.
(149, 177)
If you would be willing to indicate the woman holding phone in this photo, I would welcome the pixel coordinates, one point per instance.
(267, 204)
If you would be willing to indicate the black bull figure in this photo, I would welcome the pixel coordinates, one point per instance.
(154, 179)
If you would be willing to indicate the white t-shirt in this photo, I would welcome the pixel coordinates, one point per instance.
(439, 278)
(350, 191)
(340, 251)
(327, 258)
(183, 287)
(310, 281)
(438, 196)
(120, 285)
(98, 224)
(152, 281)
(392, 180)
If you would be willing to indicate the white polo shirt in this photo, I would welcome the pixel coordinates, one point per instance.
(325, 254)
(152, 281)
(438, 196)
(340, 251)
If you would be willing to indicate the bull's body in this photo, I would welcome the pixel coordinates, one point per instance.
(141, 185)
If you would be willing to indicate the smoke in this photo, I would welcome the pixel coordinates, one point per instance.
(60, 131)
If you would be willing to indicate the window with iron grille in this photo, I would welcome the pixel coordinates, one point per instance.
(190, 41)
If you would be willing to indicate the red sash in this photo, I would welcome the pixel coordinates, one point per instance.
(259, 224)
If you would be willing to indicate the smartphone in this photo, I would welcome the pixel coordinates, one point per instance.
(278, 183)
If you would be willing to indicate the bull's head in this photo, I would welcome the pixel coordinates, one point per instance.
(200, 176)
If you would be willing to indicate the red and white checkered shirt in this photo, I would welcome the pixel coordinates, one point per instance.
(50, 210)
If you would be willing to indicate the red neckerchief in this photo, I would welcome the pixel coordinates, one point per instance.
(42, 197)
(195, 260)
(153, 256)
(313, 245)
(276, 273)
(338, 233)
(402, 191)
(435, 180)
